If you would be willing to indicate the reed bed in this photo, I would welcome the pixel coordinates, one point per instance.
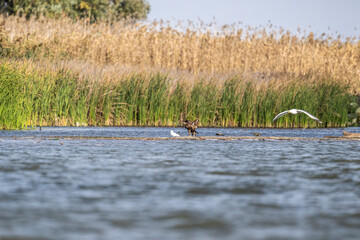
(197, 48)
(65, 94)
(66, 73)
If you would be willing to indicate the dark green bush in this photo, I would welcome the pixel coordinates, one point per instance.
(91, 10)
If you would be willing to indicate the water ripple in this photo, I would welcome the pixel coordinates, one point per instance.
(111, 189)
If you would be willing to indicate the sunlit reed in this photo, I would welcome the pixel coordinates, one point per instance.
(196, 48)
(47, 94)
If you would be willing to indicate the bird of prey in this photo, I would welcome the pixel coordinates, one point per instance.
(191, 126)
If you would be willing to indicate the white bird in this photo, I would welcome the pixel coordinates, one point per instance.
(174, 134)
(296, 111)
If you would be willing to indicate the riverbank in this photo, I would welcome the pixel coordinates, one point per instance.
(65, 73)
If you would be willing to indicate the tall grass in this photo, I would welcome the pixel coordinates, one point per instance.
(64, 73)
(197, 48)
(32, 94)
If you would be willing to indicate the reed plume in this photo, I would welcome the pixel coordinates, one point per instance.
(263, 52)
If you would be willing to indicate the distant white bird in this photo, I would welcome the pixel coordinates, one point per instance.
(174, 134)
(296, 111)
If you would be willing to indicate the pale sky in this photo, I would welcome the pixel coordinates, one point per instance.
(341, 16)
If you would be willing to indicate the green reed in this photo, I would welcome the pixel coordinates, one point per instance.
(13, 105)
(61, 98)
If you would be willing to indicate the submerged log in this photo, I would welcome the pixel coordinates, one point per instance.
(351, 135)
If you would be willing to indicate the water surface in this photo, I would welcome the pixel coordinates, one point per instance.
(55, 188)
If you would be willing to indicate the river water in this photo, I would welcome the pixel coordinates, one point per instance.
(58, 188)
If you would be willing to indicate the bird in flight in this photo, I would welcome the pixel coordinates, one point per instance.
(296, 111)
(174, 134)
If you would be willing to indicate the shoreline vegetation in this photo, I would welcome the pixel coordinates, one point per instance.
(71, 73)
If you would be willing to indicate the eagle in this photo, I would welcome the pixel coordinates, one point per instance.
(191, 126)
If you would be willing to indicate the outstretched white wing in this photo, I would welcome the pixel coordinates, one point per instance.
(311, 116)
(281, 114)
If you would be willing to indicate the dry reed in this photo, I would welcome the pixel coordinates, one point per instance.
(66, 73)
(254, 54)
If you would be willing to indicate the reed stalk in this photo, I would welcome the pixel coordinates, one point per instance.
(31, 95)
(70, 73)
(197, 48)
